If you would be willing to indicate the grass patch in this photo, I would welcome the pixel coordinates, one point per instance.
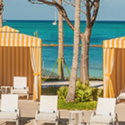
(79, 106)
(95, 79)
(49, 79)
(67, 78)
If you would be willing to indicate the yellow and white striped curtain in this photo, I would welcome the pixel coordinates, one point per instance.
(108, 68)
(35, 53)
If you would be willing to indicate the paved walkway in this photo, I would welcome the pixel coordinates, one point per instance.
(98, 84)
(29, 107)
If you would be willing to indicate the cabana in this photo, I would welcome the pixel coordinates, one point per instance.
(114, 66)
(20, 55)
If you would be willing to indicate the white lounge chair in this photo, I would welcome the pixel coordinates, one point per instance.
(105, 112)
(48, 110)
(20, 86)
(121, 95)
(9, 108)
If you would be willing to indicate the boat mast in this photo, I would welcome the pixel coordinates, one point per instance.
(55, 15)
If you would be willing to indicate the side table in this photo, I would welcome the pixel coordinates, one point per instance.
(76, 118)
(4, 88)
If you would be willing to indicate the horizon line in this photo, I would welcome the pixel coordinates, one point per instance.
(65, 21)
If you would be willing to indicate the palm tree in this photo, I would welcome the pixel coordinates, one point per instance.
(85, 38)
(73, 78)
(1, 10)
(92, 7)
(60, 46)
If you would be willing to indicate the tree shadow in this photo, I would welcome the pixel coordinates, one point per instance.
(121, 122)
(64, 121)
(25, 120)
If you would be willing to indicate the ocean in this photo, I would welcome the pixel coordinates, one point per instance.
(102, 30)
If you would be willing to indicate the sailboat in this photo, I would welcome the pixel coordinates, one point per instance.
(55, 22)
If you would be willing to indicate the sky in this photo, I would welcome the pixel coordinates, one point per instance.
(24, 10)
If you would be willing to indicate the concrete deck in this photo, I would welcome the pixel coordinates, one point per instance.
(28, 108)
(98, 84)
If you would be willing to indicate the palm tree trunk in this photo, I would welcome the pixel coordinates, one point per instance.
(60, 46)
(84, 64)
(1, 20)
(1, 9)
(85, 38)
(73, 78)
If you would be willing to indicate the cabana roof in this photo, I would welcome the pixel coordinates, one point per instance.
(114, 43)
(8, 29)
(11, 37)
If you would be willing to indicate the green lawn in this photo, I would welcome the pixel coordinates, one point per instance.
(79, 106)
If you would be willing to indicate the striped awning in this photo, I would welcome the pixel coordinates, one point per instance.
(16, 39)
(114, 43)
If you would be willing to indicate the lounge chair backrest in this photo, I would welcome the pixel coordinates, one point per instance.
(9, 102)
(20, 82)
(48, 103)
(106, 105)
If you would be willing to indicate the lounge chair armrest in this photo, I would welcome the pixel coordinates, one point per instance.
(93, 114)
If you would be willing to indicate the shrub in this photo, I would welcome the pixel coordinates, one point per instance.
(62, 92)
(83, 92)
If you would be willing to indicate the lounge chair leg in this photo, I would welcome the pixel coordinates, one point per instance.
(28, 96)
(56, 123)
(17, 122)
(88, 123)
(35, 122)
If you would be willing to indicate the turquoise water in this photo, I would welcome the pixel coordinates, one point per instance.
(49, 34)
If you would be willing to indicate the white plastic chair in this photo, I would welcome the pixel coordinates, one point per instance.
(121, 95)
(105, 112)
(48, 110)
(20, 86)
(9, 108)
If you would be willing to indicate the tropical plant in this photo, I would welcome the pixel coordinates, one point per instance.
(83, 93)
(62, 92)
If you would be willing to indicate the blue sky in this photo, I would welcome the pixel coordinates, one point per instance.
(23, 10)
